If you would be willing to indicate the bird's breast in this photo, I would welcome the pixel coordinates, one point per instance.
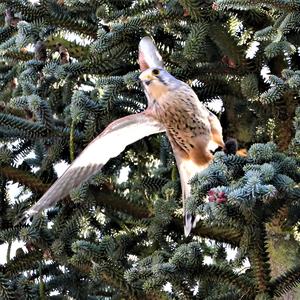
(186, 122)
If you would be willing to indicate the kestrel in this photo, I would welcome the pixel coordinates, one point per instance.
(174, 108)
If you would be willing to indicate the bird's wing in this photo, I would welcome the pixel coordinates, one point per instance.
(149, 56)
(110, 143)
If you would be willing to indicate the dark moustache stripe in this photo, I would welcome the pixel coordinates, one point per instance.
(161, 80)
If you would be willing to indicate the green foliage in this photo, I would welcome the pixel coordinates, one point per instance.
(249, 87)
(246, 4)
(69, 68)
(285, 282)
(195, 42)
(295, 145)
(6, 291)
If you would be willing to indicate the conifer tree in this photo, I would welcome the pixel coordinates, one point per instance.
(68, 68)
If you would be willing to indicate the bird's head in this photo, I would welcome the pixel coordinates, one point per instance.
(157, 77)
(157, 81)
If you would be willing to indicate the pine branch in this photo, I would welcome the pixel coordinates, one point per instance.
(9, 234)
(24, 177)
(284, 283)
(6, 33)
(22, 263)
(32, 129)
(196, 9)
(260, 261)
(108, 274)
(56, 15)
(6, 291)
(227, 46)
(228, 277)
(222, 234)
(248, 4)
(75, 50)
(229, 296)
(53, 14)
(153, 184)
(20, 55)
(114, 201)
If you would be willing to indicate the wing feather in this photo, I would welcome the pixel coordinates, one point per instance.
(149, 56)
(110, 143)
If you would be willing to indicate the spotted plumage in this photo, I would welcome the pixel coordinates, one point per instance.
(174, 108)
(191, 128)
(185, 118)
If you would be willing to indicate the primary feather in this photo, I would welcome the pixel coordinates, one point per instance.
(149, 56)
(110, 143)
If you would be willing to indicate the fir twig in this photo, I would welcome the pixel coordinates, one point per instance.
(24, 177)
(284, 283)
(72, 145)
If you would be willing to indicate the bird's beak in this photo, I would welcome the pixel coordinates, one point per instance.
(146, 77)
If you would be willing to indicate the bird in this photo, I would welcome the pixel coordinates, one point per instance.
(173, 108)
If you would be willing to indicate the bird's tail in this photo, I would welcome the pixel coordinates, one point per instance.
(190, 221)
(187, 170)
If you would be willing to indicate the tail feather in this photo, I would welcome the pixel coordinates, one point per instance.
(188, 224)
(187, 170)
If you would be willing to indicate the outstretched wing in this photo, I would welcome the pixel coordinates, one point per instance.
(149, 56)
(110, 143)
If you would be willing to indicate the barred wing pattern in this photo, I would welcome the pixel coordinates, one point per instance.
(110, 143)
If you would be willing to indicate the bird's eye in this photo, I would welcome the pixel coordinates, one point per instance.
(155, 72)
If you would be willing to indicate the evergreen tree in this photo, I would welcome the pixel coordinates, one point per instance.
(68, 68)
